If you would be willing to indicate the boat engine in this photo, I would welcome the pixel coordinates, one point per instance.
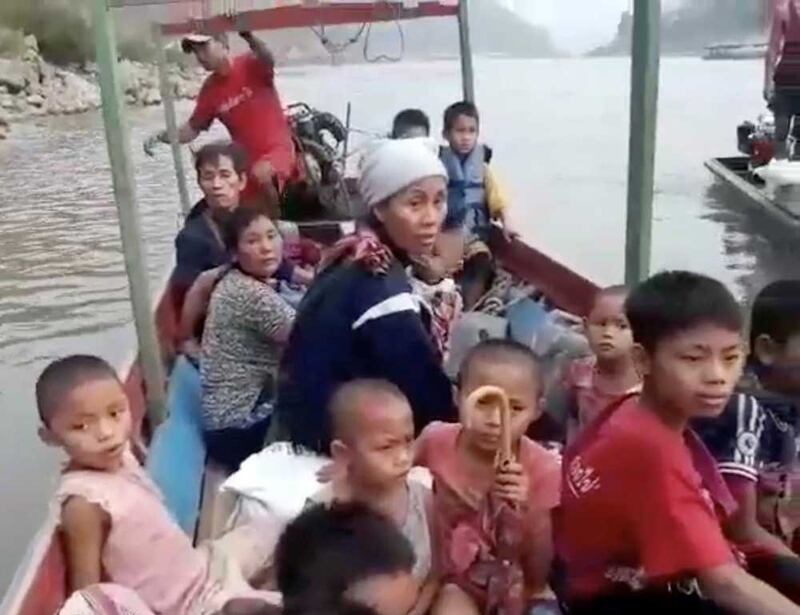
(757, 140)
(320, 138)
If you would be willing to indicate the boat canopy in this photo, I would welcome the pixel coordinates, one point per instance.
(179, 17)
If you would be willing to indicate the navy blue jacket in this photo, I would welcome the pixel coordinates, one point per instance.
(353, 324)
(197, 247)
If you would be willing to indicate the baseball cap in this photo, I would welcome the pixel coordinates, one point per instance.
(189, 41)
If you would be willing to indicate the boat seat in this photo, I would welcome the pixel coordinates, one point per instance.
(176, 460)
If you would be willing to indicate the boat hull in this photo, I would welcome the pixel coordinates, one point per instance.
(39, 587)
(735, 172)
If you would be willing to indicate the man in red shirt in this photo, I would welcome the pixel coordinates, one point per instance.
(639, 529)
(240, 92)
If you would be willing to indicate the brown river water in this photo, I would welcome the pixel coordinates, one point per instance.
(559, 129)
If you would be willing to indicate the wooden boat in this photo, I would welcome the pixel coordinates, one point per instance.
(769, 183)
(735, 171)
(735, 51)
(176, 457)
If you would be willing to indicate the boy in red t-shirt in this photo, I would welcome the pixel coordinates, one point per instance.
(492, 561)
(642, 500)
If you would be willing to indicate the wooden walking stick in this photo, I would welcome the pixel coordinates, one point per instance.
(501, 575)
(505, 453)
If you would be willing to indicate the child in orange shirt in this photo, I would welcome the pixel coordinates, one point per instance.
(492, 524)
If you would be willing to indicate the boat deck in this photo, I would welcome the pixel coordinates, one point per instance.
(735, 171)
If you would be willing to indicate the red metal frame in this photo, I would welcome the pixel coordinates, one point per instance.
(336, 14)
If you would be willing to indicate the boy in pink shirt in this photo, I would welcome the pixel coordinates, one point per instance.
(492, 524)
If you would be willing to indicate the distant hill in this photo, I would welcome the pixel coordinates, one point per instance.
(494, 29)
(687, 30)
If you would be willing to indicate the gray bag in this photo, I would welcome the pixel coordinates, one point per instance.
(469, 330)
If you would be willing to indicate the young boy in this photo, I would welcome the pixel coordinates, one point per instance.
(640, 519)
(113, 523)
(595, 382)
(373, 432)
(411, 124)
(473, 192)
(774, 376)
(473, 196)
(479, 575)
(345, 559)
(754, 440)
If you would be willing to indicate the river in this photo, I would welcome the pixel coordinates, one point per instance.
(559, 129)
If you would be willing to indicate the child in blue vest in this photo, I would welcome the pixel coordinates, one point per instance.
(473, 196)
(473, 192)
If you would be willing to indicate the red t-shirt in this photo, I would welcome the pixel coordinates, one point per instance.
(246, 101)
(634, 508)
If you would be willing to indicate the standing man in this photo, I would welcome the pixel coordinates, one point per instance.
(240, 92)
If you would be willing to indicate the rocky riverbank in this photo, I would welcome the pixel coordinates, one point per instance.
(30, 86)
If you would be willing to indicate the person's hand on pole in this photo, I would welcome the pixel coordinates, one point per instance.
(151, 142)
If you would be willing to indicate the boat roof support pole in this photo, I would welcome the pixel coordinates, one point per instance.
(642, 138)
(465, 45)
(170, 118)
(125, 198)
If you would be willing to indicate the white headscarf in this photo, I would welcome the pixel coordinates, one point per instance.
(392, 165)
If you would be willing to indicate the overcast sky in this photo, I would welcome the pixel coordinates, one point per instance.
(578, 25)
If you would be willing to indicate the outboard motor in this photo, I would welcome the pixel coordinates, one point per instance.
(744, 135)
(320, 138)
(757, 141)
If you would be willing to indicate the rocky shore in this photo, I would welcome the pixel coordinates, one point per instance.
(30, 86)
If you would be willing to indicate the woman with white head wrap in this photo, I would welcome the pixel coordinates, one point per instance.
(360, 318)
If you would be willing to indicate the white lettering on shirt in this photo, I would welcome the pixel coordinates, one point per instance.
(235, 100)
(632, 577)
(581, 479)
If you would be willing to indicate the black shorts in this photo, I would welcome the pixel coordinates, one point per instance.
(230, 447)
(646, 602)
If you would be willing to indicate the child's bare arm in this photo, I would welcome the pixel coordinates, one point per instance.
(538, 560)
(736, 591)
(195, 305)
(427, 595)
(743, 526)
(83, 527)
